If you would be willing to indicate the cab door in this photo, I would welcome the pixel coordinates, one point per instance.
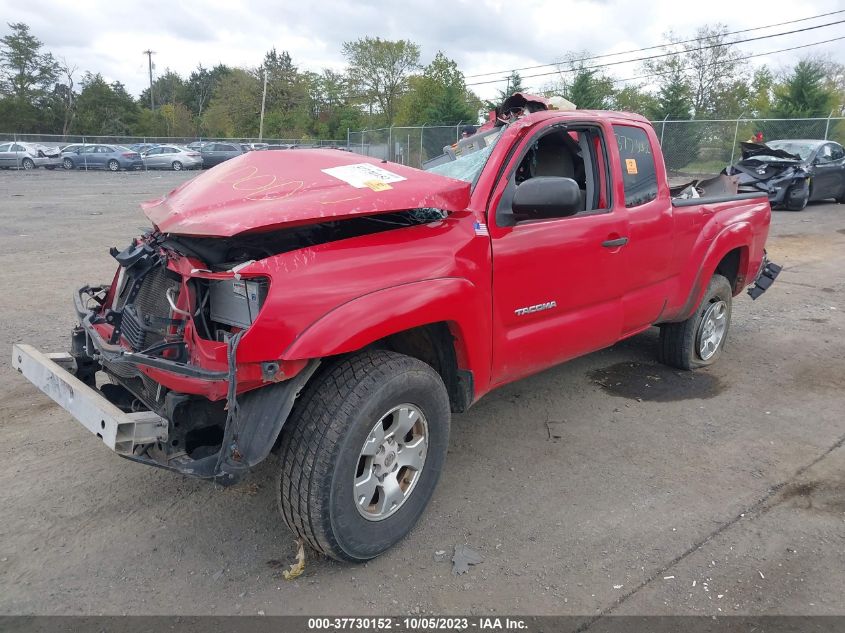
(556, 281)
(828, 172)
(649, 257)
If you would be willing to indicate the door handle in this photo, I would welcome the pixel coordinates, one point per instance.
(619, 241)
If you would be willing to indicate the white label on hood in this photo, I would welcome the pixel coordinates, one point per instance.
(363, 175)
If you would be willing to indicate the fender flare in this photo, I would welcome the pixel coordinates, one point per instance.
(739, 235)
(391, 310)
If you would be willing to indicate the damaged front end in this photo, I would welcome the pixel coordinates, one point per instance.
(192, 332)
(165, 333)
(782, 176)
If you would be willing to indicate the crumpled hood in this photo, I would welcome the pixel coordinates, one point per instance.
(265, 190)
(749, 150)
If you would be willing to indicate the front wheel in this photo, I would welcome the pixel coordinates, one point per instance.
(113, 165)
(67, 163)
(362, 453)
(797, 197)
(698, 341)
(177, 166)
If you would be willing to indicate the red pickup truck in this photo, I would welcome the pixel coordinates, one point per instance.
(336, 309)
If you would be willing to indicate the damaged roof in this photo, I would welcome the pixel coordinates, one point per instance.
(265, 190)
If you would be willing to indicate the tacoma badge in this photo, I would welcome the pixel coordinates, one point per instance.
(535, 308)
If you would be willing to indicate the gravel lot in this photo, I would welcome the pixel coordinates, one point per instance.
(721, 491)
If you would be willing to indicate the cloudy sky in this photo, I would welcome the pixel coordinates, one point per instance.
(483, 36)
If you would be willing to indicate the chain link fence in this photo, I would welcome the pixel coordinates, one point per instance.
(698, 148)
(406, 145)
(60, 140)
(690, 148)
(695, 148)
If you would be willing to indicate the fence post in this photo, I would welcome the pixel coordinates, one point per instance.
(347, 138)
(390, 142)
(736, 131)
(827, 125)
(422, 132)
(663, 129)
(362, 142)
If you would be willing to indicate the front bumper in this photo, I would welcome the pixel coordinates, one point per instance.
(48, 161)
(121, 432)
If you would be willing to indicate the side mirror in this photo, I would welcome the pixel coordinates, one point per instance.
(546, 197)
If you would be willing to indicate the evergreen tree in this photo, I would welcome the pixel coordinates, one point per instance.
(804, 93)
(680, 141)
(589, 91)
(27, 76)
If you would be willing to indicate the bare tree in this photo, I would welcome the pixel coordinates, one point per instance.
(66, 94)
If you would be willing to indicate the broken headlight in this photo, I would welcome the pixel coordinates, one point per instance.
(236, 302)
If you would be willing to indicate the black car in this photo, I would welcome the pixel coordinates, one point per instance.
(792, 172)
(216, 153)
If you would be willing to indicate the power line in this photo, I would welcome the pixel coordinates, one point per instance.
(782, 50)
(640, 59)
(650, 48)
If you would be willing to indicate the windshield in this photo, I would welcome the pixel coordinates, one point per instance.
(794, 147)
(469, 166)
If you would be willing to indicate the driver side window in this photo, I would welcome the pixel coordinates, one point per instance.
(575, 154)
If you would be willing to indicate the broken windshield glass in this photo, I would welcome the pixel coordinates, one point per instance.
(468, 167)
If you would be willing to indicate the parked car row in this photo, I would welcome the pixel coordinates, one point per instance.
(19, 155)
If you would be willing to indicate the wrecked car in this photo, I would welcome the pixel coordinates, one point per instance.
(18, 155)
(337, 309)
(792, 172)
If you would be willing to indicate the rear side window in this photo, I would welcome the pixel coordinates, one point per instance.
(637, 163)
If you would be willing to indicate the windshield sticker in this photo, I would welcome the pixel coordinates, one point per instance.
(363, 175)
(631, 165)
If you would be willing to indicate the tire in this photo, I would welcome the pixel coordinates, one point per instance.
(323, 456)
(67, 163)
(176, 165)
(686, 345)
(793, 202)
(27, 163)
(113, 165)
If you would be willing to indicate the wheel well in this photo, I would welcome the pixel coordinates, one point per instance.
(729, 267)
(434, 344)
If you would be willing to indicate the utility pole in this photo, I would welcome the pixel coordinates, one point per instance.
(263, 100)
(149, 55)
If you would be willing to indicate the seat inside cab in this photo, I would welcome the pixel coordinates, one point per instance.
(556, 154)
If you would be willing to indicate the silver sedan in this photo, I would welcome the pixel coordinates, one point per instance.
(18, 155)
(171, 157)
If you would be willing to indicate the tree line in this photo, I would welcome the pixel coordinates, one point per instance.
(384, 84)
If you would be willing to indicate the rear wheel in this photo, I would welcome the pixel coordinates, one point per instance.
(698, 341)
(176, 165)
(362, 453)
(113, 165)
(27, 163)
(797, 197)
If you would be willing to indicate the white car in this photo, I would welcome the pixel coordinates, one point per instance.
(18, 155)
(172, 157)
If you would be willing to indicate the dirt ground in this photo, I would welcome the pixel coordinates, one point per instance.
(607, 485)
